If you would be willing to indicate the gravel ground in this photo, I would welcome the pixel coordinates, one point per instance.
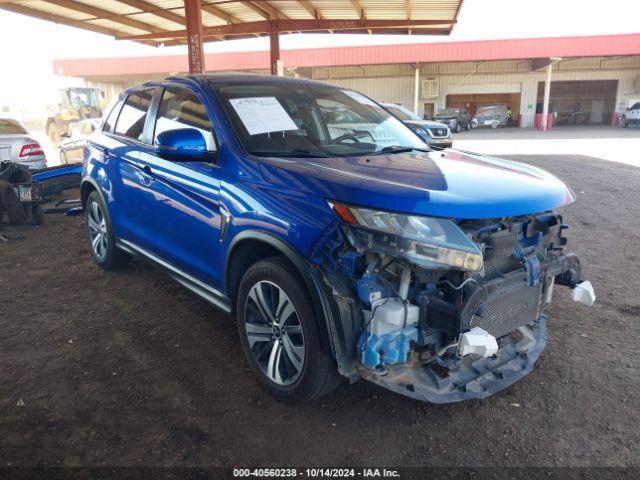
(129, 368)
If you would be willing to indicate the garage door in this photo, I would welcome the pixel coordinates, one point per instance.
(472, 101)
(581, 102)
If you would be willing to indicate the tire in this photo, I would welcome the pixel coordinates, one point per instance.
(468, 126)
(283, 349)
(38, 215)
(457, 127)
(104, 250)
(54, 134)
(494, 124)
(63, 158)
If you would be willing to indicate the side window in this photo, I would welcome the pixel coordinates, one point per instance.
(181, 108)
(111, 119)
(133, 114)
(636, 107)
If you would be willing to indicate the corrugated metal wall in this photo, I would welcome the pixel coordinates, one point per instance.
(395, 83)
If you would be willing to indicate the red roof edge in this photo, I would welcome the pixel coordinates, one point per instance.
(473, 50)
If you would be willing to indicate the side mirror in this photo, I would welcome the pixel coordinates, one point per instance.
(181, 145)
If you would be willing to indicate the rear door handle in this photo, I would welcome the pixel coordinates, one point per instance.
(146, 173)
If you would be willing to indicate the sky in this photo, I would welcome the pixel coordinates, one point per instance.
(29, 45)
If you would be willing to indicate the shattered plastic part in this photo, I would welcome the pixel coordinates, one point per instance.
(470, 377)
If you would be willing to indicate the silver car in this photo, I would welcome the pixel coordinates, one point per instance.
(435, 134)
(18, 146)
(73, 144)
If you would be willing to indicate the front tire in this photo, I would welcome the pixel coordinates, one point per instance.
(102, 241)
(279, 333)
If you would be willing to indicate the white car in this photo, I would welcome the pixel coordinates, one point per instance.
(632, 115)
(18, 146)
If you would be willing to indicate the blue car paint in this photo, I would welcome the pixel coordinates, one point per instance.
(56, 172)
(443, 184)
(175, 213)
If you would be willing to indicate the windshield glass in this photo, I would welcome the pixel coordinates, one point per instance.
(450, 111)
(83, 97)
(11, 127)
(299, 119)
(401, 112)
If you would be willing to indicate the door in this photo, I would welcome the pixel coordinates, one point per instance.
(120, 147)
(178, 203)
(429, 109)
(597, 111)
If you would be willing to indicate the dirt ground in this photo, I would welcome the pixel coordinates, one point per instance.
(129, 368)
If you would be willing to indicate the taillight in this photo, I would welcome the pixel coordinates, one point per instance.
(31, 149)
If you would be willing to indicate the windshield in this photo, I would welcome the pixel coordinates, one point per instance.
(11, 127)
(401, 112)
(83, 97)
(450, 111)
(314, 120)
(491, 109)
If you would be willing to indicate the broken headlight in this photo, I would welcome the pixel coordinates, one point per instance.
(426, 241)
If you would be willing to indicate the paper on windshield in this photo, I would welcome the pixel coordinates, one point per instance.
(262, 115)
(358, 97)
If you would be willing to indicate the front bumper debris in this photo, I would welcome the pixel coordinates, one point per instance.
(455, 379)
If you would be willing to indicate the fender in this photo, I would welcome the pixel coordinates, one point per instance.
(83, 195)
(321, 303)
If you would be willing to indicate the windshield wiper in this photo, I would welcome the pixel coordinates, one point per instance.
(401, 149)
(296, 152)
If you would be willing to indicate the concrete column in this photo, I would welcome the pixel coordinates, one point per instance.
(547, 92)
(416, 89)
(193, 12)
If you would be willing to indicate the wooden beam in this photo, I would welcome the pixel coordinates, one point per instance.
(265, 10)
(217, 12)
(147, 7)
(100, 13)
(306, 4)
(39, 14)
(267, 26)
(358, 8)
(195, 40)
(407, 8)
(274, 51)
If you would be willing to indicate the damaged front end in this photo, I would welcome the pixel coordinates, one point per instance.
(442, 310)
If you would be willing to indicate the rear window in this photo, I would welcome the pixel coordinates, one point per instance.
(11, 127)
(133, 114)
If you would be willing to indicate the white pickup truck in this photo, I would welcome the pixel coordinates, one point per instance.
(632, 114)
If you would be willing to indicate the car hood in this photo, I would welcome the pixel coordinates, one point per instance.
(450, 184)
(425, 124)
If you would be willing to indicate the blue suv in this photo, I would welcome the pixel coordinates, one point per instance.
(343, 246)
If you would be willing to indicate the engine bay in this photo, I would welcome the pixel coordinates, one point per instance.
(448, 332)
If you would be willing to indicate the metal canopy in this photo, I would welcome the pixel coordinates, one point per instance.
(158, 22)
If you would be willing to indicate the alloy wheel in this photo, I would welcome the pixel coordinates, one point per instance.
(97, 230)
(274, 333)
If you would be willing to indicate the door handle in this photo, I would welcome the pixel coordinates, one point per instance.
(147, 174)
